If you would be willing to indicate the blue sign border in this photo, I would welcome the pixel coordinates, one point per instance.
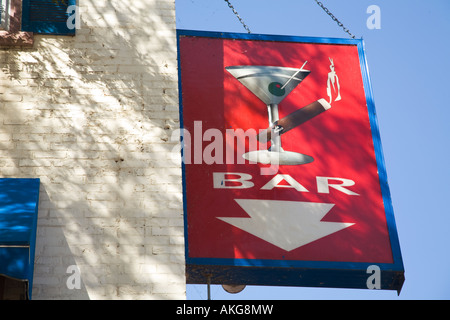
(299, 273)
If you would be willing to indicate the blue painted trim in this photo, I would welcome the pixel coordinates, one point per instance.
(290, 264)
(381, 166)
(391, 269)
(19, 200)
(265, 37)
(183, 167)
(25, 15)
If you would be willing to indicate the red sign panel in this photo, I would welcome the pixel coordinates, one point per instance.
(282, 161)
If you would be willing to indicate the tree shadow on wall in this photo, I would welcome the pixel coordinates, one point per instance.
(91, 116)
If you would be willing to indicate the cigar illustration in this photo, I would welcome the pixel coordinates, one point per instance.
(294, 119)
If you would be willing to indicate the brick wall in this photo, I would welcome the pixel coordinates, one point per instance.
(92, 116)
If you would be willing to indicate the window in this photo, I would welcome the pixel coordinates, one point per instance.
(4, 14)
(46, 16)
(10, 31)
(20, 19)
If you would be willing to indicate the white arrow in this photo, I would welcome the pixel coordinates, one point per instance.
(286, 224)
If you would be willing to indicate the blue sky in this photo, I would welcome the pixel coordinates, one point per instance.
(409, 63)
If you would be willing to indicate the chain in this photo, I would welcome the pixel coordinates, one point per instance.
(334, 18)
(340, 24)
(237, 15)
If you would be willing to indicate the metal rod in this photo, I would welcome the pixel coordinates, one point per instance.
(209, 287)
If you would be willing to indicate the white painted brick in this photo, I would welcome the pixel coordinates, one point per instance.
(88, 115)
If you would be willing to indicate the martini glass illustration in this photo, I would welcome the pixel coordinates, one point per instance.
(272, 85)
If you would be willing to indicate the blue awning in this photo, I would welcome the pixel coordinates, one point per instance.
(19, 199)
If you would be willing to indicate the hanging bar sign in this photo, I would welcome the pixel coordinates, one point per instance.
(284, 180)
